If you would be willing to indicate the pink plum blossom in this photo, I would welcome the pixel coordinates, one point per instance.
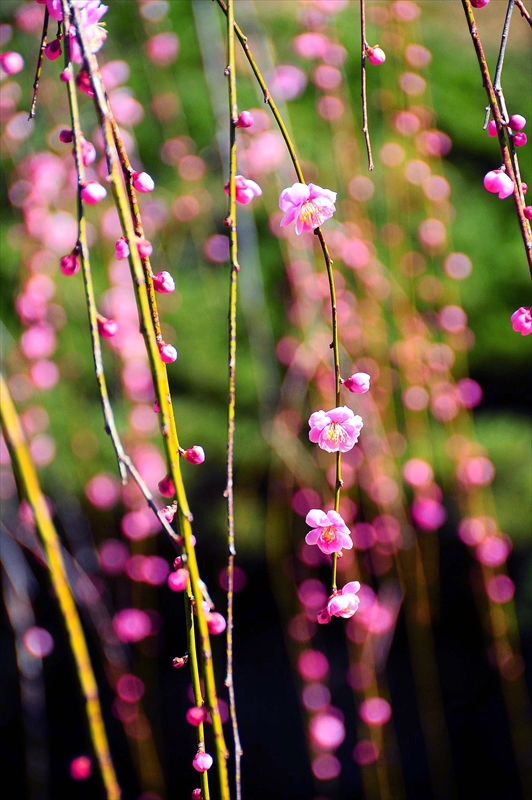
(376, 55)
(498, 182)
(91, 12)
(245, 189)
(522, 320)
(163, 282)
(202, 762)
(308, 205)
(358, 383)
(53, 50)
(329, 531)
(335, 430)
(345, 603)
(143, 182)
(195, 454)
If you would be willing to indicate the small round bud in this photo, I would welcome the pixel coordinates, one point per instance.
(196, 794)
(492, 128)
(168, 512)
(88, 152)
(167, 352)
(195, 455)
(163, 282)
(11, 62)
(69, 264)
(202, 762)
(166, 486)
(216, 623)
(527, 211)
(196, 715)
(66, 75)
(179, 662)
(522, 321)
(177, 581)
(178, 562)
(323, 616)
(156, 407)
(93, 192)
(66, 136)
(143, 182)
(144, 247)
(516, 122)
(520, 139)
(245, 120)
(53, 50)
(358, 383)
(107, 327)
(524, 187)
(376, 55)
(479, 3)
(83, 82)
(121, 248)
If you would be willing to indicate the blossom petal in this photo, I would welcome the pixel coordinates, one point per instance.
(351, 588)
(313, 536)
(317, 192)
(317, 518)
(294, 196)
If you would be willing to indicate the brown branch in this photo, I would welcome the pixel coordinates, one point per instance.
(363, 91)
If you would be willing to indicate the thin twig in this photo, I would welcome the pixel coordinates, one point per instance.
(125, 464)
(229, 489)
(39, 63)
(524, 224)
(363, 91)
(160, 378)
(524, 12)
(500, 62)
(28, 484)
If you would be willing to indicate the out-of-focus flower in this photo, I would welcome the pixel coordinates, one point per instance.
(335, 430)
(245, 190)
(522, 321)
(90, 12)
(107, 327)
(329, 531)
(308, 205)
(11, 62)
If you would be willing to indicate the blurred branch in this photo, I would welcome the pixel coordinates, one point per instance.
(29, 487)
(229, 489)
(496, 112)
(524, 12)
(40, 59)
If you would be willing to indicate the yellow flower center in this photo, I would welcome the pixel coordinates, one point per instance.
(335, 432)
(311, 214)
(328, 534)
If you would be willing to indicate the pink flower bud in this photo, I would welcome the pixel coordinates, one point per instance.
(53, 49)
(121, 248)
(178, 562)
(376, 55)
(499, 183)
(196, 794)
(177, 581)
(216, 623)
(143, 182)
(107, 327)
(196, 715)
(479, 3)
(144, 247)
(66, 75)
(245, 119)
(166, 486)
(88, 152)
(522, 321)
(520, 139)
(93, 192)
(516, 122)
(69, 264)
(167, 352)
(11, 62)
(524, 187)
(527, 211)
(83, 82)
(492, 128)
(195, 455)
(358, 383)
(66, 136)
(245, 190)
(168, 512)
(156, 407)
(163, 283)
(202, 762)
(323, 616)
